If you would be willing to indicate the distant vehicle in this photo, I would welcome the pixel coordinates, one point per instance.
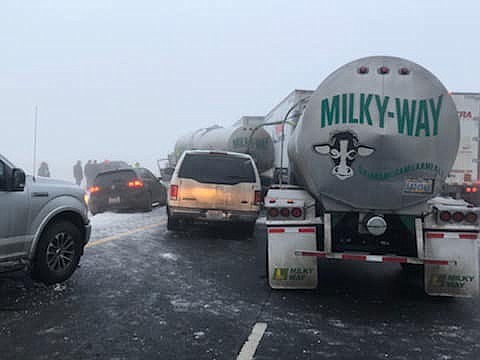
(126, 189)
(214, 187)
(44, 225)
(463, 180)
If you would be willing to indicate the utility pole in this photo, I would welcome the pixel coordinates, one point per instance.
(35, 128)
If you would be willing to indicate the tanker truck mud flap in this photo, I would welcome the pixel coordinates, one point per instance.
(285, 269)
(460, 276)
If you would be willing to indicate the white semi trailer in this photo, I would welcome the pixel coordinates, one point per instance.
(463, 180)
(366, 160)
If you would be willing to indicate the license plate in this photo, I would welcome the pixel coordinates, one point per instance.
(114, 200)
(215, 215)
(418, 186)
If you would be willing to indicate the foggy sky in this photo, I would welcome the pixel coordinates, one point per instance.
(121, 80)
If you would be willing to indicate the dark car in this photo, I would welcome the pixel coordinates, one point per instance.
(126, 189)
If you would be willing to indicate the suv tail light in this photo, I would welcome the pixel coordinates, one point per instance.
(173, 192)
(94, 189)
(258, 197)
(135, 184)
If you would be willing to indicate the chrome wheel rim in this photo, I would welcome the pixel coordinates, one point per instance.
(60, 252)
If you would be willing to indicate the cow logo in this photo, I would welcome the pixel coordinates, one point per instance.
(280, 274)
(343, 149)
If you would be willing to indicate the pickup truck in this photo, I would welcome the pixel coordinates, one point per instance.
(44, 225)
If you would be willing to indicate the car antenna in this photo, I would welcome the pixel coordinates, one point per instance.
(35, 128)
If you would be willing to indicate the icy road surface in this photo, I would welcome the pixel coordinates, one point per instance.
(145, 293)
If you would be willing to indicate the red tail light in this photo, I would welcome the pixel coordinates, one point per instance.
(471, 217)
(474, 189)
(135, 184)
(258, 197)
(285, 212)
(94, 189)
(173, 192)
(273, 212)
(458, 216)
(296, 212)
(445, 216)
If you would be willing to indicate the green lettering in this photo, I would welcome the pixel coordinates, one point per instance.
(404, 116)
(365, 108)
(344, 108)
(351, 119)
(422, 119)
(435, 113)
(329, 114)
(382, 109)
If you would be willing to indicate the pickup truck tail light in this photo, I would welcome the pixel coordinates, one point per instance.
(173, 192)
(94, 189)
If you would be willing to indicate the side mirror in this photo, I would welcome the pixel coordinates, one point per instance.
(159, 179)
(18, 180)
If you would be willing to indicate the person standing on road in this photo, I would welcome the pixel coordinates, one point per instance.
(78, 172)
(88, 173)
(43, 170)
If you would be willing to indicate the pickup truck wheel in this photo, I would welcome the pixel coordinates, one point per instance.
(58, 253)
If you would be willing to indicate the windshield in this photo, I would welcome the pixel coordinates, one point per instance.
(217, 169)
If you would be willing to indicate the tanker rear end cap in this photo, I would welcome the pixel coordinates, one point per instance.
(376, 138)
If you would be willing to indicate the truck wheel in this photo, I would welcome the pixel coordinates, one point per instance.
(173, 224)
(58, 253)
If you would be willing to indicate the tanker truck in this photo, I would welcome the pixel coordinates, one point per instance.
(243, 137)
(366, 161)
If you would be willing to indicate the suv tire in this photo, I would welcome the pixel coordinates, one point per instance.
(173, 224)
(58, 253)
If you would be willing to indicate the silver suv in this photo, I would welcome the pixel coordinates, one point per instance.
(44, 225)
(214, 187)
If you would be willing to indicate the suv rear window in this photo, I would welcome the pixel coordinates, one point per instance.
(217, 169)
(115, 177)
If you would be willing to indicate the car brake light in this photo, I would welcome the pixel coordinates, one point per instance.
(474, 189)
(173, 192)
(94, 189)
(468, 189)
(135, 184)
(258, 197)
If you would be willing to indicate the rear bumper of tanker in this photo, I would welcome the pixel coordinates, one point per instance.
(450, 259)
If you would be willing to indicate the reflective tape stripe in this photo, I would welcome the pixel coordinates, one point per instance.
(372, 258)
(276, 230)
(435, 262)
(306, 230)
(435, 235)
(354, 257)
(394, 259)
(468, 236)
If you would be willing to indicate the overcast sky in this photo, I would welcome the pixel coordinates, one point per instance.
(123, 79)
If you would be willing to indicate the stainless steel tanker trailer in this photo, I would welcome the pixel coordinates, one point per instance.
(367, 158)
(244, 137)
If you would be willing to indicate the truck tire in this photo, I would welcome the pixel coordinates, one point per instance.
(58, 253)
